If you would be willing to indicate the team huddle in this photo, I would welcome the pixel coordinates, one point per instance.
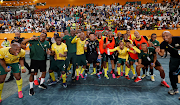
(80, 51)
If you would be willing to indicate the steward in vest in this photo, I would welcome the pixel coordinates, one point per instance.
(109, 43)
(5, 43)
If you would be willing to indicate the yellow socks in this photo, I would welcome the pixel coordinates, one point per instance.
(64, 78)
(77, 72)
(52, 76)
(19, 84)
(69, 67)
(82, 70)
(122, 68)
(107, 65)
(133, 70)
(80, 67)
(118, 69)
(105, 71)
(1, 88)
(94, 70)
(126, 71)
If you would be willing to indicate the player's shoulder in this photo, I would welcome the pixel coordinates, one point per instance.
(6, 49)
(23, 51)
(53, 44)
(63, 44)
(176, 38)
(151, 48)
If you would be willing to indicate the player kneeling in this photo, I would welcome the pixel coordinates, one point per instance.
(148, 57)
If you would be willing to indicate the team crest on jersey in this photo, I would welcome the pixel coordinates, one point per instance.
(6, 56)
(150, 53)
(38, 44)
(176, 45)
(45, 45)
(155, 43)
(143, 55)
(166, 46)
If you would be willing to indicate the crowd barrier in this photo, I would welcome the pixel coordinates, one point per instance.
(147, 33)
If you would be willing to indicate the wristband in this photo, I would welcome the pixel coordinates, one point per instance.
(22, 67)
(99, 52)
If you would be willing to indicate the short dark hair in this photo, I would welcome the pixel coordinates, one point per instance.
(91, 33)
(144, 43)
(58, 37)
(127, 41)
(44, 33)
(153, 34)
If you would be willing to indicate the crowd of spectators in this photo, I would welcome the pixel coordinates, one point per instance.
(132, 16)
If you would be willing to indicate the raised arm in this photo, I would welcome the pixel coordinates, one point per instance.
(74, 40)
(114, 49)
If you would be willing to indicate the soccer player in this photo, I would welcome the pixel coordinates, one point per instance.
(109, 43)
(117, 40)
(38, 54)
(148, 57)
(18, 40)
(80, 42)
(9, 59)
(137, 42)
(130, 36)
(122, 58)
(132, 56)
(93, 54)
(172, 45)
(155, 43)
(101, 49)
(71, 54)
(59, 49)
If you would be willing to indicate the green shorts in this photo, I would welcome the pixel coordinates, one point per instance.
(131, 60)
(81, 60)
(121, 61)
(103, 57)
(14, 68)
(58, 65)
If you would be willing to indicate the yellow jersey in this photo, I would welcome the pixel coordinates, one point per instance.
(125, 42)
(80, 45)
(123, 54)
(100, 38)
(9, 58)
(59, 49)
(132, 37)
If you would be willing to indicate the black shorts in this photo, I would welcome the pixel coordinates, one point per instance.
(157, 63)
(111, 57)
(38, 64)
(92, 58)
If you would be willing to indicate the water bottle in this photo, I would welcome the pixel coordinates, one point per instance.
(98, 60)
(8, 68)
